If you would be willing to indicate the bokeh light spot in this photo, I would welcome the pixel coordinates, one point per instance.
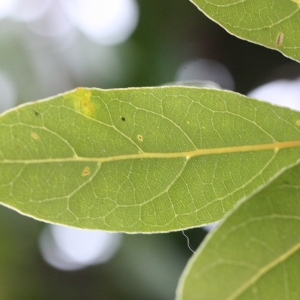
(281, 92)
(6, 7)
(68, 248)
(205, 70)
(104, 21)
(29, 10)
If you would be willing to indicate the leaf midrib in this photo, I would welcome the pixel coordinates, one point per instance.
(148, 155)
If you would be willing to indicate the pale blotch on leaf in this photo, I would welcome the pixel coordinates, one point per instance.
(279, 39)
(82, 101)
(298, 122)
(140, 138)
(86, 171)
(34, 135)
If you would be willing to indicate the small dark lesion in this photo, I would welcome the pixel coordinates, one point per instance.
(123, 119)
(36, 113)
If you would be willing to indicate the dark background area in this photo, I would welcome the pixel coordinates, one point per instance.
(168, 34)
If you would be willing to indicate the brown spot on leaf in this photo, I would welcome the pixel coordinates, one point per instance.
(86, 171)
(279, 39)
(34, 135)
(140, 137)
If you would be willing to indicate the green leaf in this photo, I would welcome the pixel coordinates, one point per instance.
(255, 252)
(141, 160)
(273, 24)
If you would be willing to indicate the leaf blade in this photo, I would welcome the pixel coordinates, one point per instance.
(183, 156)
(254, 252)
(274, 27)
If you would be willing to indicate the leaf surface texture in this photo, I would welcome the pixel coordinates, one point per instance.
(143, 159)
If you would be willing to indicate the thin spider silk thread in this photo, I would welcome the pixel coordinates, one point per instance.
(188, 241)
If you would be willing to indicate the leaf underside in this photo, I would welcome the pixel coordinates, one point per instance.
(255, 252)
(141, 160)
(273, 24)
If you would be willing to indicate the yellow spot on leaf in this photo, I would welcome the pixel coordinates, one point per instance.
(34, 136)
(86, 171)
(140, 138)
(296, 1)
(279, 39)
(298, 122)
(83, 101)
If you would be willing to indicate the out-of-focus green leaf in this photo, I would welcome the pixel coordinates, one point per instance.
(255, 252)
(141, 160)
(274, 24)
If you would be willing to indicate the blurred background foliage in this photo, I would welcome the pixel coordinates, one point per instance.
(45, 49)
